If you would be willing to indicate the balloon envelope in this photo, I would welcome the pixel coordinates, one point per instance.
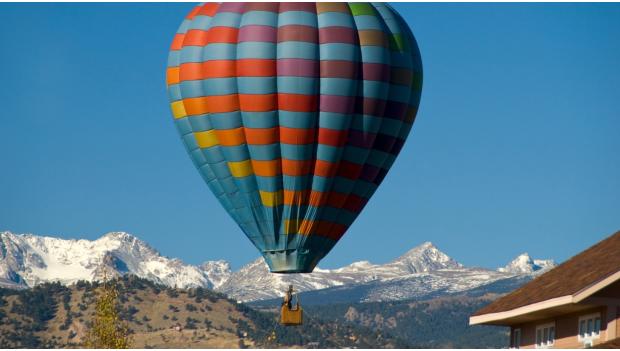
(293, 113)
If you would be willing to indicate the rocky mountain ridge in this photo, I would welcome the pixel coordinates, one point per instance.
(27, 260)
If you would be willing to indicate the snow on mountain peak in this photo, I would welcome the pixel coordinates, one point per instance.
(424, 258)
(524, 264)
(217, 271)
(28, 260)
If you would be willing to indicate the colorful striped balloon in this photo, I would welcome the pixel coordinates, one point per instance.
(293, 113)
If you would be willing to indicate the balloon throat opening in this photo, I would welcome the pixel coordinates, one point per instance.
(290, 260)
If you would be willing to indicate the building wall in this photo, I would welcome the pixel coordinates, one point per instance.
(566, 329)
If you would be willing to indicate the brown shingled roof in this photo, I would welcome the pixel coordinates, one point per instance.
(572, 276)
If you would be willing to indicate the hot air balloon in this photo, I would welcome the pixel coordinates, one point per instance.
(293, 113)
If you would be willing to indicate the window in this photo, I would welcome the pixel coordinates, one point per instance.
(589, 327)
(516, 338)
(545, 335)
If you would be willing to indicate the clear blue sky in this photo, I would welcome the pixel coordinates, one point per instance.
(516, 146)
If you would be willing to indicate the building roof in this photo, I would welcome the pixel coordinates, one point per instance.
(561, 284)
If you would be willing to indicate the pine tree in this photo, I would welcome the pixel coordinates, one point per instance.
(108, 331)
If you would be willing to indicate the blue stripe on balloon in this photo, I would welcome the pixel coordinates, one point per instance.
(235, 153)
(329, 19)
(213, 154)
(217, 86)
(200, 123)
(367, 22)
(174, 92)
(298, 85)
(340, 51)
(297, 49)
(198, 22)
(219, 51)
(296, 152)
(226, 120)
(333, 120)
(264, 18)
(339, 86)
(264, 152)
(270, 184)
(226, 19)
(183, 126)
(292, 119)
(301, 18)
(256, 85)
(174, 58)
(183, 27)
(255, 50)
(267, 119)
(189, 54)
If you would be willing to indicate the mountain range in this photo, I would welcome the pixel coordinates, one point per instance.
(27, 260)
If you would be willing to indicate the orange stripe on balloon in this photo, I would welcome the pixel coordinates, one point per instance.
(325, 169)
(177, 42)
(172, 75)
(268, 168)
(222, 35)
(208, 9)
(190, 71)
(298, 102)
(195, 106)
(256, 68)
(296, 167)
(262, 136)
(257, 102)
(195, 37)
(317, 198)
(333, 137)
(230, 137)
(297, 136)
(349, 170)
(295, 197)
(222, 103)
(219, 69)
(193, 13)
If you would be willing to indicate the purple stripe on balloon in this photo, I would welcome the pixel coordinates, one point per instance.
(395, 110)
(369, 173)
(337, 103)
(298, 67)
(258, 33)
(236, 7)
(376, 71)
(380, 176)
(398, 145)
(337, 35)
(361, 139)
(384, 142)
(298, 6)
(370, 106)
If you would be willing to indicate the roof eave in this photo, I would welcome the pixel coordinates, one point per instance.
(502, 318)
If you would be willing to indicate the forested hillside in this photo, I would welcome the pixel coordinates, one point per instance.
(437, 323)
(51, 315)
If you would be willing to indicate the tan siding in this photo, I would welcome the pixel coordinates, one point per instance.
(566, 329)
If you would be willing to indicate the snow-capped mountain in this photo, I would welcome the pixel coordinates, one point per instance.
(27, 260)
(218, 272)
(254, 282)
(525, 264)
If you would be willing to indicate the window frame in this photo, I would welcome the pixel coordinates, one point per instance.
(582, 333)
(542, 328)
(516, 342)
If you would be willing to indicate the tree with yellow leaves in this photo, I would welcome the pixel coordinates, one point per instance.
(108, 331)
